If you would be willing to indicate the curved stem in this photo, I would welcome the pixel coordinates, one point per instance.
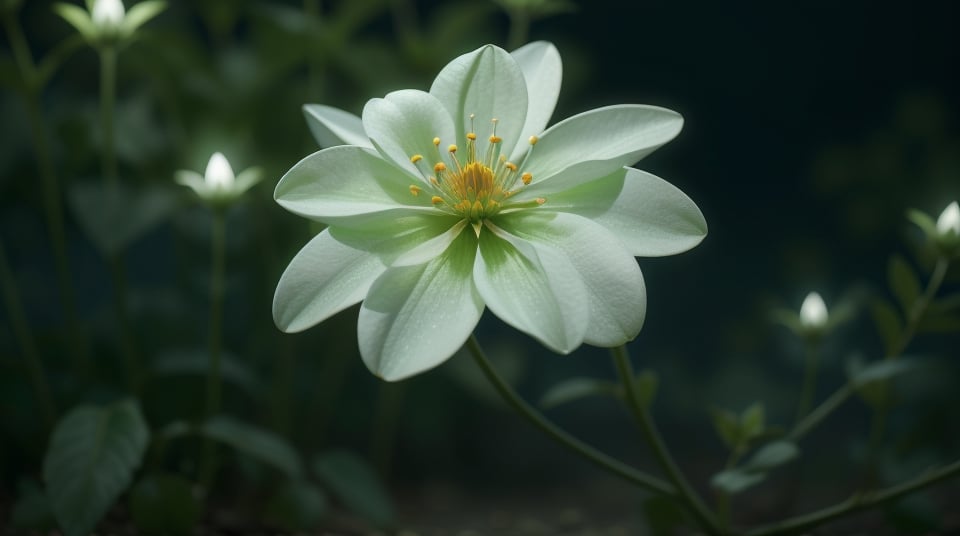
(214, 386)
(857, 502)
(559, 435)
(828, 406)
(52, 202)
(655, 441)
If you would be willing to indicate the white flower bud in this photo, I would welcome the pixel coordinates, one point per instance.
(107, 13)
(949, 220)
(813, 312)
(219, 174)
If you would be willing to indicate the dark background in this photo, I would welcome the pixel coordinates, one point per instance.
(811, 127)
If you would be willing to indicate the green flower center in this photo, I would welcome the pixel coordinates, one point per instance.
(471, 187)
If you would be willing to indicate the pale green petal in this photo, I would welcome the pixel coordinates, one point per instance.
(140, 13)
(416, 317)
(325, 277)
(489, 84)
(430, 249)
(78, 18)
(617, 298)
(549, 305)
(650, 216)
(346, 181)
(193, 180)
(393, 237)
(246, 180)
(596, 143)
(404, 123)
(332, 126)
(543, 71)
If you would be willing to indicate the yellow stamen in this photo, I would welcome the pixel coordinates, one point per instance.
(436, 141)
(526, 178)
(416, 158)
(511, 166)
(471, 136)
(415, 190)
(436, 200)
(495, 139)
(452, 149)
(534, 140)
(439, 167)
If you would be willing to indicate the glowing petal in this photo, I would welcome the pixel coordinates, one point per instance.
(813, 312)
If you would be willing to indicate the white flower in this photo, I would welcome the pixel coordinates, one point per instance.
(450, 201)
(949, 220)
(218, 184)
(813, 312)
(106, 22)
(107, 13)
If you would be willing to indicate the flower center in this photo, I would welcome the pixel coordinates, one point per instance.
(470, 186)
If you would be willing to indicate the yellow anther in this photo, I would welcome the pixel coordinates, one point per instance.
(452, 148)
(471, 136)
(534, 140)
(526, 178)
(511, 166)
(433, 181)
(436, 141)
(436, 200)
(495, 139)
(439, 167)
(540, 200)
(415, 190)
(416, 158)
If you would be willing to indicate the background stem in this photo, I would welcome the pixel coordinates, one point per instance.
(559, 435)
(25, 337)
(108, 89)
(809, 389)
(649, 429)
(217, 265)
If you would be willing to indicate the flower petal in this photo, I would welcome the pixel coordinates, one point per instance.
(598, 142)
(404, 123)
(193, 180)
(650, 216)
(616, 296)
(416, 317)
(332, 126)
(341, 182)
(325, 277)
(489, 84)
(543, 71)
(549, 305)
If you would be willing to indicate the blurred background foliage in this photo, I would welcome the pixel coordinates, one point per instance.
(810, 129)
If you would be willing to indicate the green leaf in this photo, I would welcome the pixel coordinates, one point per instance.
(165, 504)
(789, 319)
(356, 485)
(90, 461)
(734, 481)
(575, 389)
(752, 422)
(114, 217)
(256, 442)
(78, 17)
(946, 304)
(296, 506)
(888, 324)
(939, 324)
(903, 282)
(647, 383)
(663, 515)
(140, 13)
(772, 455)
(923, 221)
(880, 371)
(727, 425)
(32, 509)
(196, 362)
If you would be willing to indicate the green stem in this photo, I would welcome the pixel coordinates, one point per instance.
(52, 202)
(612, 465)
(811, 361)
(815, 417)
(25, 337)
(879, 421)
(857, 502)
(108, 91)
(649, 429)
(214, 386)
(519, 28)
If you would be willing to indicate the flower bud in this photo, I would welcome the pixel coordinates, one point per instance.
(813, 312)
(949, 220)
(219, 174)
(107, 13)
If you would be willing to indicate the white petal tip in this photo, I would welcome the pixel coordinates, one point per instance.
(813, 312)
(218, 173)
(107, 13)
(949, 220)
